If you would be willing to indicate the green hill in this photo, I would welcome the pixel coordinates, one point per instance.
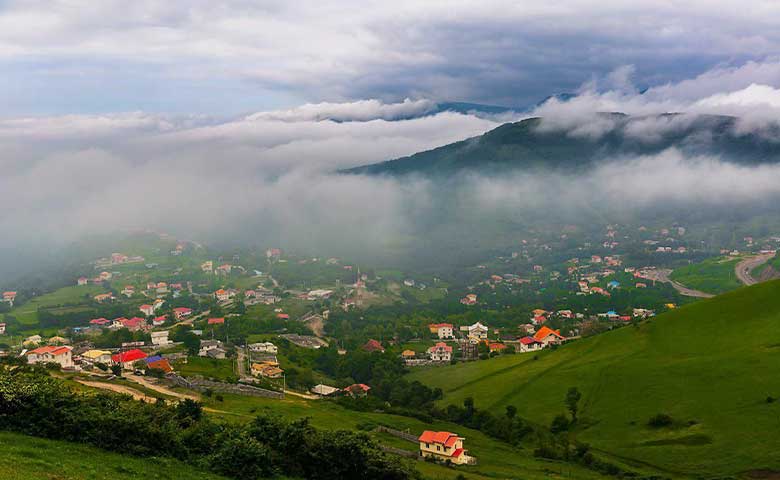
(522, 145)
(711, 366)
(30, 458)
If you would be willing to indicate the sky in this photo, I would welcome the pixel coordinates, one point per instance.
(221, 121)
(237, 56)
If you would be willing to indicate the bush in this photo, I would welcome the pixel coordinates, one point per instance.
(660, 420)
(559, 424)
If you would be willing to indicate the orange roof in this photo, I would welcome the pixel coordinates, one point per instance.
(443, 438)
(545, 332)
(50, 349)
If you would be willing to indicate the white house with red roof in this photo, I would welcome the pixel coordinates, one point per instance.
(182, 312)
(530, 344)
(82, 281)
(548, 336)
(51, 354)
(444, 446)
(147, 309)
(441, 352)
(126, 359)
(9, 297)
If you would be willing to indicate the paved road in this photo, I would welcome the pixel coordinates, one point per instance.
(662, 275)
(747, 265)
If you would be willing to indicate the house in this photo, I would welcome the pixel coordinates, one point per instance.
(158, 321)
(470, 299)
(324, 390)
(182, 312)
(128, 291)
(373, 346)
(443, 446)
(208, 345)
(613, 284)
(146, 309)
(51, 354)
(105, 276)
(497, 347)
(57, 340)
(133, 324)
(548, 336)
(101, 322)
(357, 390)
(32, 340)
(160, 338)
(207, 266)
(97, 356)
(267, 370)
(159, 363)
(82, 281)
(477, 331)
(530, 344)
(158, 302)
(216, 321)
(408, 354)
(441, 352)
(264, 347)
(224, 268)
(126, 359)
(222, 295)
(2, 328)
(283, 316)
(443, 330)
(9, 297)
(103, 297)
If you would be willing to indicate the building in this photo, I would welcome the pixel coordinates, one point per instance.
(357, 390)
(146, 309)
(263, 347)
(222, 295)
(444, 446)
(32, 340)
(182, 312)
(9, 297)
(159, 363)
(548, 336)
(470, 299)
(103, 297)
(208, 345)
(324, 390)
(207, 266)
(97, 356)
(82, 281)
(477, 331)
(530, 344)
(441, 352)
(160, 338)
(443, 330)
(373, 346)
(51, 354)
(216, 321)
(497, 347)
(267, 370)
(128, 358)
(2, 328)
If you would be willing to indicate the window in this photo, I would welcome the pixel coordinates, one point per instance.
(438, 448)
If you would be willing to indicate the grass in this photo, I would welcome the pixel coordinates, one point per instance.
(496, 459)
(709, 365)
(27, 314)
(714, 275)
(220, 369)
(25, 458)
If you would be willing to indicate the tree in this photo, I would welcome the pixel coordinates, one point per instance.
(511, 411)
(191, 342)
(559, 424)
(468, 404)
(572, 402)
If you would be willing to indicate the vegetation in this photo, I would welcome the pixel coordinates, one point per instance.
(714, 275)
(709, 365)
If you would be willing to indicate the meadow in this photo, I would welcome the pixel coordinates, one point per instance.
(714, 275)
(711, 366)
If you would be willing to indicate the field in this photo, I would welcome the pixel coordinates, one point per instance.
(496, 459)
(29, 458)
(27, 314)
(710, 365)
(220, 369)
(714, 275)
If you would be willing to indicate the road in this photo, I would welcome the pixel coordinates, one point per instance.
(662, 275)
(747, 265)
(241, 365)
(136, 394)
(162, 389)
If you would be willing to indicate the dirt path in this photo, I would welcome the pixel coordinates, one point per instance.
(162, 389)
(743, 268)
(301, 395)
(136, 394)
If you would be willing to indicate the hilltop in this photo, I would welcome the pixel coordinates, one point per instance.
(524, 145)
(710, 366)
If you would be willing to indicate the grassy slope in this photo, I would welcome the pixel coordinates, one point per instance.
(714, 275)
(713, 362)
(29, 458)
(496, 459)
(27, 313)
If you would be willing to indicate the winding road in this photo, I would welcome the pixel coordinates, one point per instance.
(743, 268)
(662, 275)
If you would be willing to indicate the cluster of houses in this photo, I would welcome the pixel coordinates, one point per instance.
(63, 356)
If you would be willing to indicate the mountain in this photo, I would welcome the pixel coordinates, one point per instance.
(711, 367)
(525, 145)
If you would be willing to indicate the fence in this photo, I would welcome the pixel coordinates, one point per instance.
(201, 384)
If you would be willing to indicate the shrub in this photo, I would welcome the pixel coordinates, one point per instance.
(660, 420)
(559, 424)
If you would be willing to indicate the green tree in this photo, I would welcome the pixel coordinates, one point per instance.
(511, 411)
(572, 402)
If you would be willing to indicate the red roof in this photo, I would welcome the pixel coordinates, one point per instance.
(162, 364)
(283, 316)
(497, 346)
(440, 325)
(358, 386)
(443, 438)
(373, 346)
(182, 310)
(441, 345)
(52, 350)
(128, 356)
(544, 332)
(216, 321)
(458, 452)
(100, 321)
(528, 340)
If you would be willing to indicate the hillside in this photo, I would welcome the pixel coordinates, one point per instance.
(711, 366)
(29, 458)
(522, 145)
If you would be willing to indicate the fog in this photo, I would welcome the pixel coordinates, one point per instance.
(270, 178)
